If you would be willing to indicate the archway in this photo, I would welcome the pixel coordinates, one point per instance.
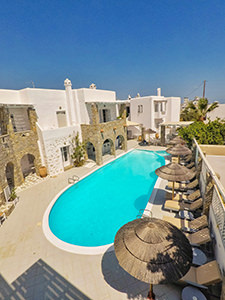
(120, 142)
(107, 147)
(27, 164)
(90, 151)
(9, 173)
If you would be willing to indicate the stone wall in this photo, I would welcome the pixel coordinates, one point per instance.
(13, 146)
(96, 133)
(53, 154)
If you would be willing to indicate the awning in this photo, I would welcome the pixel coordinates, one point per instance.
(129, 123)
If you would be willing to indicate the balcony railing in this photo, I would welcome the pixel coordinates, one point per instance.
(217, 207)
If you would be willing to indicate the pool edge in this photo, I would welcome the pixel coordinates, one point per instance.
(81, 249)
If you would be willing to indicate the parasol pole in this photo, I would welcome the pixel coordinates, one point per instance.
(173, 190)
(151, 295)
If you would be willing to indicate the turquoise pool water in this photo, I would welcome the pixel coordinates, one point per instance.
(90, 212)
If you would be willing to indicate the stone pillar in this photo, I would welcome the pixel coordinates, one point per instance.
(125, 142)
(98, 154)
(113, 149)
(163, 141)
(124, 114)
(95, 114)
(33, 119)
(117, 110)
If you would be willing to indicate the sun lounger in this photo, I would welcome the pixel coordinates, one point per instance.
(176, 197)
(200, 237)
(185, 197)
(204, 275)
(190, 165)
(173, 205)
(195, 224)
(193, 196)
(183, 186)
(187, 158)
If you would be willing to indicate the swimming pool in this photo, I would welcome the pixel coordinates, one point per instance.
(90, 212)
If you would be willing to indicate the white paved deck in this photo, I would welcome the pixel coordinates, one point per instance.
(32, 268)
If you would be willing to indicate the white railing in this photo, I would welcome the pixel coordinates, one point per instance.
(217, 207)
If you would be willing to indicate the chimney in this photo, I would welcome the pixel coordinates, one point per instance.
(159, 92)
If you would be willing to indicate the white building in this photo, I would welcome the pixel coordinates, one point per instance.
(218, 112)
(61, 112)
(151, 111)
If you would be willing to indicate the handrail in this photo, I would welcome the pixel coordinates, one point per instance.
(142, 214)
(73, 179)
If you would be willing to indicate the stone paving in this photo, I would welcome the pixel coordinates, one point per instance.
(32, 268)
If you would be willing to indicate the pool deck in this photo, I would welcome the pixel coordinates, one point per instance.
(32, 268)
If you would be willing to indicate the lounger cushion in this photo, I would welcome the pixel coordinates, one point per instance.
(196, 224)
(208, 273)
(176, 197)
(179, 223)
(199, 223)
(200, 237)
(176, 205)
(193, 196)
(190, 275)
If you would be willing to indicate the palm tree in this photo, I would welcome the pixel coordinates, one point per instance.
(197, 112)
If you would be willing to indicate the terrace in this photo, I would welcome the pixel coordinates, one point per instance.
(32, 268)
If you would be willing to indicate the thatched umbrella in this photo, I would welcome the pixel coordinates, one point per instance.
(153, 251)
(146, 131)
(174, 172)
(177, 140)
(178, 150)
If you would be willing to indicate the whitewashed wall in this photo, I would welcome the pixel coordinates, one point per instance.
(174, 105)
(46, 103)
(148, 116)
(9, 97)
(53, 141)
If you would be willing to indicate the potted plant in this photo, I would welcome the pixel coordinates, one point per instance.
(13, 195)
(78, 154)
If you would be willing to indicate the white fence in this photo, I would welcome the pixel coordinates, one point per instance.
(217, 208)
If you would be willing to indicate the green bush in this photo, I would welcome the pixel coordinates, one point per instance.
(78, 154)
(212, 133)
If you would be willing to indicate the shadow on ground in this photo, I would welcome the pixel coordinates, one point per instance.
(120, 280)
(39, 282)
(160, 196)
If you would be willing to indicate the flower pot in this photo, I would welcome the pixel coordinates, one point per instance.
(43, 171)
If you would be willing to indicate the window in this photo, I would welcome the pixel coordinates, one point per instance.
(61, 118)
(156, 107)
(161, 104)
(140, 108)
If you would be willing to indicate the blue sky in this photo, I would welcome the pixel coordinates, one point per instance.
(127, 46)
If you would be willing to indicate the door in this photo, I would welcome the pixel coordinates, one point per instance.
(65, 156)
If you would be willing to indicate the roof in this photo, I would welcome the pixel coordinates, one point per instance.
(179, 123)
(111, 102)
(129, 123)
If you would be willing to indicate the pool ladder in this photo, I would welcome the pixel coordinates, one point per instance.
(144, 213)
(73, 179)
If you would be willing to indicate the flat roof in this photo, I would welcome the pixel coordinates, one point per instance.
(180, 123)
(112, 102)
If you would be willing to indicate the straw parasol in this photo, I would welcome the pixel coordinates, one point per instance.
(177, 140)
(153, 251)
(147, 131)
(178, 150)
(174, 172)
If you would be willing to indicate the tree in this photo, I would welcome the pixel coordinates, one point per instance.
(197, 112)
(79, 151)
(212, 133)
